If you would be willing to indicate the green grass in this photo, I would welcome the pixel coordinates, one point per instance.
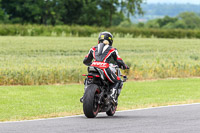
(58, 60)
(32, 102)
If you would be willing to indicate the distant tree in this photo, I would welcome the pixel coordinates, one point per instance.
(152, 24)
(50, 11)
(107, 11)
(191, 19)
(71, 11)
(93, 14)
(118, 18)
(108, 8)
(140, 25)
(83, 12)
(1, 13)
(131, 7)
(166, 20)
(3, 16)
(21, 11)
(185, 20)
(180, 24)
(126, 23)
(175, 25)
(32, 11)
(128, 7)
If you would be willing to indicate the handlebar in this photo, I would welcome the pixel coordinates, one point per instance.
(125, 78)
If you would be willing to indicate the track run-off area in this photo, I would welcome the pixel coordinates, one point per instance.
(166, 119)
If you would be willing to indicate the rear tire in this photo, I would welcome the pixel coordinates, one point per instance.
(90, 101)
(112, 111)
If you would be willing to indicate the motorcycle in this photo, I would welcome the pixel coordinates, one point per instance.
(97, 96)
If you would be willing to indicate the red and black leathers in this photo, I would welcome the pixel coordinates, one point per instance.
(102, 54)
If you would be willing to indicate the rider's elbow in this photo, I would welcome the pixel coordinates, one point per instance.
(85, 62)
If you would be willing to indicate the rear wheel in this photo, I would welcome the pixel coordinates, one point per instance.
(90, 101)
(112, 111)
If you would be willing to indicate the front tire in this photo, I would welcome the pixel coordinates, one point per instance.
(90, 101)
(112, 111)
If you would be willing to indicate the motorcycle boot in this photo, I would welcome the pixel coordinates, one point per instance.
(114, 93)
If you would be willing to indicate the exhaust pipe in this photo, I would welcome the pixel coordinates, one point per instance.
(106, 99)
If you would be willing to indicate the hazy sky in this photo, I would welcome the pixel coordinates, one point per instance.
(174, 1)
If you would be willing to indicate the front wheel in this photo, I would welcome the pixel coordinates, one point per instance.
(90, 101)
(112, 110)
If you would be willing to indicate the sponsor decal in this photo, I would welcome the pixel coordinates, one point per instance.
(101, 65)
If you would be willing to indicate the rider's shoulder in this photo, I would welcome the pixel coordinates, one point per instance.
(113, 48)
(94, 47)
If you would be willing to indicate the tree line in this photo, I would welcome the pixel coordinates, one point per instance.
(57, 12)
(184, 20)
(88, 12)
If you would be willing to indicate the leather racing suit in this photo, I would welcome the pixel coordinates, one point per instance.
(104, 53)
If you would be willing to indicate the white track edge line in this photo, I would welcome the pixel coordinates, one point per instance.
(167, 106)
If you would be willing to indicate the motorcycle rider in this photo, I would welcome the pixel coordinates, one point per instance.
(104, 52)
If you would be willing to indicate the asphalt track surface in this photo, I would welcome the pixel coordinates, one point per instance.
(171, 119)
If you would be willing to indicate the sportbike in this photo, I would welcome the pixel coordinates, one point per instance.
(97, 96)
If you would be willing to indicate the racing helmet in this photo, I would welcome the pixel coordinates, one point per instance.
(106, 36)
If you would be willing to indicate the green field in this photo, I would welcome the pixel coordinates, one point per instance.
(32, 102)
(58, 60)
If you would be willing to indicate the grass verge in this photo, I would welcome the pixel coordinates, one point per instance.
(33, 102)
